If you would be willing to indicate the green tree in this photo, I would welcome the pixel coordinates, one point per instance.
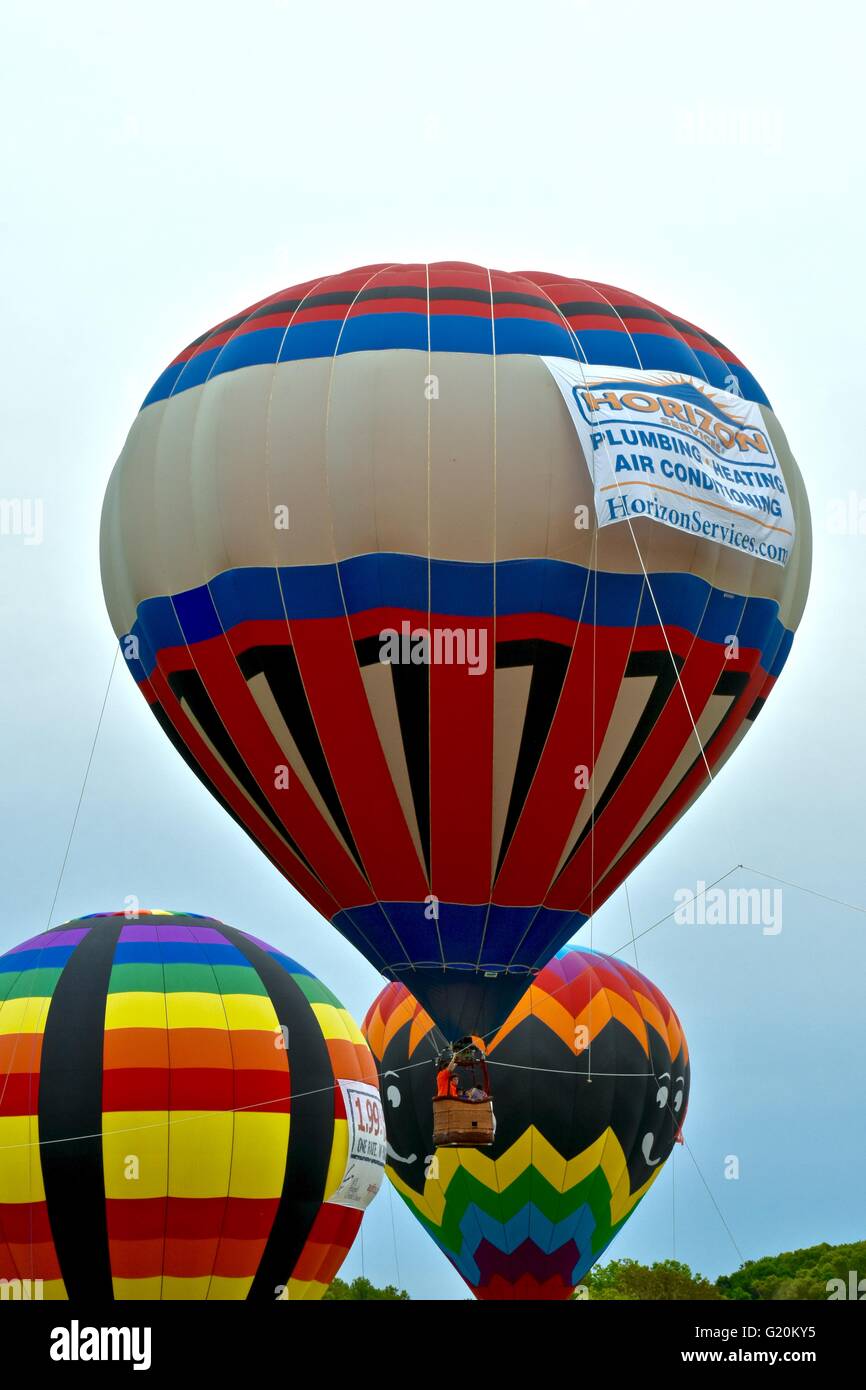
(795, 1274)
(630, 1281)
(362, 1288)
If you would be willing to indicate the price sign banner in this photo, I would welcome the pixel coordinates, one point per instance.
(365, 1166)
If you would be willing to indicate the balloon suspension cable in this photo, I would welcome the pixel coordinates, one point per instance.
(647, 581)
(83, 787)
(394, 1231)
(256, 1107)
(631, 923)
(635, 937)
(580, 358)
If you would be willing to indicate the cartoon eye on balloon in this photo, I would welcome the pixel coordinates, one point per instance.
(582, 1135)
(364, 612)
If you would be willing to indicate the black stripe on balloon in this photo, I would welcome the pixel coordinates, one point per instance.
(346, 298)
(187, 686)
(549, 662)
(731, 684)
(640, 664)
(412, 698)
(682, 327)
(279, 666)
(594, 308)
(226, 327)
(70, 1104)
(311, 1130)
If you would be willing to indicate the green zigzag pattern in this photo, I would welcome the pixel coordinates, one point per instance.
(531, 1187)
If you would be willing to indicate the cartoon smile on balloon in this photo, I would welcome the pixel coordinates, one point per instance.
(590, 1077)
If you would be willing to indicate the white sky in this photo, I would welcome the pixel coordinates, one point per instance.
(166, 164)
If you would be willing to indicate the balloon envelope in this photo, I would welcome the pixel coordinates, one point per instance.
(149, 1072)
(354, 550)
(590, 1080)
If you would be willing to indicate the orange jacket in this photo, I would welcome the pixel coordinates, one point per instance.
(446, 1083)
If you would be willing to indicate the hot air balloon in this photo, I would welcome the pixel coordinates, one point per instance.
(185, 1113)
(591, 1078)
(453, 585)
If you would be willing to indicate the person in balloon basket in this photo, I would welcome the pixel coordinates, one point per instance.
(446, 1077)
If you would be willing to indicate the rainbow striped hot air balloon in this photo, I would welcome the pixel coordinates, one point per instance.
(444, 580)
(185, 1113)
(590, 1078)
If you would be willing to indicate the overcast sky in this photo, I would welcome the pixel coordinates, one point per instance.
(165, 165)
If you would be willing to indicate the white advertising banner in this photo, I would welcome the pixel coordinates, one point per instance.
(678, 451)
(365, 1167)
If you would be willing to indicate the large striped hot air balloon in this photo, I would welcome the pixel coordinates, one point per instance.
(590, 1075)
(452, 584)
(185, 1113)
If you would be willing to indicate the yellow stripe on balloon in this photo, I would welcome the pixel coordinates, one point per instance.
(137, 1009)
(186, 1290)
(199, 1153)
(25, 1015)
(552, 1166)
(259, 1152)
(135, 1152)
(138, 1290)
(304, 1291)
(329, 1020)
(353, 1032)
(250, 1012)
(224, 1288)
(194, 1010)
(623, 1200)
(579, 1168)
(430, 1203)
(20, 1166)
(339, 1158)
(54, 1291)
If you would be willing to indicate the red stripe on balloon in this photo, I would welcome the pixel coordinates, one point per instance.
(329, 668)
(461, 774)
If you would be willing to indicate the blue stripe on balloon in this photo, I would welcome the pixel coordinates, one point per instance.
(312, 589)
(238, 594)
(550, 930)
(196, 370)
(374, 332)
(288, 964)
(529, 1223)
(176, 952)
(470, 333)
(459, 590)
(398, 932)
(781, 657)
(44, 957)
(197, 615)
(371, 581)
(164, 384)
